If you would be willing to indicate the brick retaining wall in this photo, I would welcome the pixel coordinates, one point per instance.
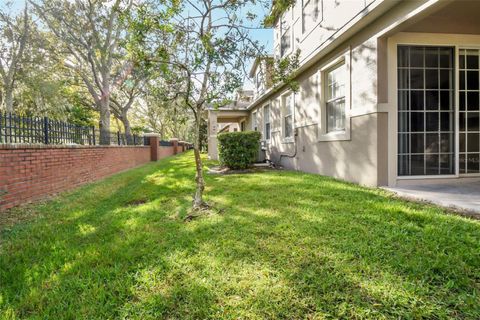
(30, 173)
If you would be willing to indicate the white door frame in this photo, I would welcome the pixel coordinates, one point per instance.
(427, 39)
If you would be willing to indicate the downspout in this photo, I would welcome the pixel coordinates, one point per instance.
(295, 134)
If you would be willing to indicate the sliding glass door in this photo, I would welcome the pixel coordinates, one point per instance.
(469, 114)
(426, 111)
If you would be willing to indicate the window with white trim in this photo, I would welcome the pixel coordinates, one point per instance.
(288, 104)
(266, 122)
(254, 121)
(335, 98)
(285, 36)
(311, 14)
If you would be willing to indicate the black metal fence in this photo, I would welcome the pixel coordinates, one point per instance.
(35, 130)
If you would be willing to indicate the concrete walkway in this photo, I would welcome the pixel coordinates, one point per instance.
(459, 195)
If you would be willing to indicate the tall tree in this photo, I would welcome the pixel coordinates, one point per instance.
(14, 33)
(90, 32)
(124, 97)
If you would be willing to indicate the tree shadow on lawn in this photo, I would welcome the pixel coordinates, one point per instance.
(329, 249)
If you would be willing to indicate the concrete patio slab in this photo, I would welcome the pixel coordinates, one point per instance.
(460, 195)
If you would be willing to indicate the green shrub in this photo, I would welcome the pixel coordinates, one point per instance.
(238, 150)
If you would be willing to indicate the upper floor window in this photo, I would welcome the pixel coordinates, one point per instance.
(259, 81)
(266, 121)
(285, 36)
(335, 98)
(288, 116)
(311, 14)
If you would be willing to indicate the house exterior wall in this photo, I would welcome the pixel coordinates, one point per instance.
(361, 154)
(332, 15)
(367, 152)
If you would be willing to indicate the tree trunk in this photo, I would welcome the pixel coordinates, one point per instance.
(8, 99)
(104, 123)
(128, 129)
(198, 202)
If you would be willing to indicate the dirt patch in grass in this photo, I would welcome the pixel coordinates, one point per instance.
(136, 202)
(226, 170)
(11, 217)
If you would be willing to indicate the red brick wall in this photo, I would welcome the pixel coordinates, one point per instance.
(28, 173)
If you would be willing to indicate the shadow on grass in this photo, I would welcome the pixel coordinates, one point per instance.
(289, 245)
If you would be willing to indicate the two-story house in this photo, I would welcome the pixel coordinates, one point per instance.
(389, 91)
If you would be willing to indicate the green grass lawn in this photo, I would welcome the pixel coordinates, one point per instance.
(284, 245)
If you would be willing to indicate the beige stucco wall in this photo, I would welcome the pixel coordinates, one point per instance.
(368, 155)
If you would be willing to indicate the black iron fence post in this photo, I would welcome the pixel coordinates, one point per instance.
(45, 130)
(93, 135)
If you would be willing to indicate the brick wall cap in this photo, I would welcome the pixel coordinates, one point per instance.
(8, 146)
(152, 134)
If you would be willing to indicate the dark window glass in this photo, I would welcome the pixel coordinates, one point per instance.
(416, 79)
(461, 160)
(403, 60)
(445, 79)
(473, 121)
(416, 57)
(445, 58)
(461, 121)
(445, 100)
(446, 142)
(403, 79)
(432, 164)
(431, 57)
(462, 80)
(403, 122)
(417, 165)
(417, 100)
(472, 100)
(428, 77)
(462, 138)
(446, 164)
(446, 123)
(403, 142)
(462, 100)
(418, 142)
(431, 79)
(431, 100)
(432, 143)
(432, 121)
(403, 165)
(417, 121)
(462, 62)
(473, 163)
(472, 80)
(403, 101)
(472, 62)
(473, 142)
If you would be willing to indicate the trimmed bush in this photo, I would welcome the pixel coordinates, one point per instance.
(238, 150)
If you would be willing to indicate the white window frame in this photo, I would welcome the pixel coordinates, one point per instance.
(423, 39)
(318, 6)
(254, 121)
(265, 122)
(323, 133)
(288, 111)
(285, 27)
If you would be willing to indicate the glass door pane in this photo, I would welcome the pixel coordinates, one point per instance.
(425, 110)
(469, 114)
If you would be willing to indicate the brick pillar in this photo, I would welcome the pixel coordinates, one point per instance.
(154, 140)
(174, 142)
